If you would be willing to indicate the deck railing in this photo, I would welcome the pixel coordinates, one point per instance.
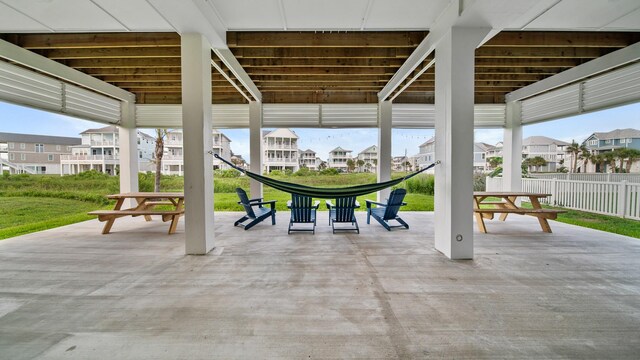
(608, 177)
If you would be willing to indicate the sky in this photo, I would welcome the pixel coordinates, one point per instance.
(18, 119)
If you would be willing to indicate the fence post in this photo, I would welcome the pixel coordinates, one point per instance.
(608, 177)
(568, 176)
(554, 184)
(622, 198)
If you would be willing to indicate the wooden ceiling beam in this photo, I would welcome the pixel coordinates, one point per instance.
(131, 71)
(112, 53)
(335, 62)
(318, 71)
(176, 98)
(122, 63)
(524, 63)
(93, 40)
(540, 52)
(321, 53)
(563, 39)
(313, 78)
(290, 39)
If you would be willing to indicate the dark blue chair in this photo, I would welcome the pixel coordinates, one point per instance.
(303, 211)
(383, 213)
(343, 212)
(255, 212)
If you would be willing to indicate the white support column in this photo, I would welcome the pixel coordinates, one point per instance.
(197, 128)
(127, 134)
(454, 100)
(255, 145)
(512, 149)
(384, 146)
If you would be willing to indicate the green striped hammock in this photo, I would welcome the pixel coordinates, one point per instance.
(324, 193)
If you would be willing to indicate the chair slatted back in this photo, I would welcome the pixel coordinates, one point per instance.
(393, 205)
(345, 206)
(301, 208)
(244, 200)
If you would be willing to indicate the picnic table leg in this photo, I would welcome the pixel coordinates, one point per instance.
(109, 223)
(510, 201)
(544, 224)
(175, 218)
(143, 206)
(480, 222)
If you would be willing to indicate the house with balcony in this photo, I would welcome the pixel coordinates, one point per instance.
(426, 154)
(480, 151)
(173, 161)
(552, 150)
(602, 142)
(338, 158)
(309, 159)
(401, 163)
(280, 148)
(370, 158)
(33, 154)
(99, 150)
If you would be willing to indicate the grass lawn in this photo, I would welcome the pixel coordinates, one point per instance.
(606, 223)
(23, 215)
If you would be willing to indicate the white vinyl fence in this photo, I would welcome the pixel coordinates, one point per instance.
(620, 199)
(607, 177)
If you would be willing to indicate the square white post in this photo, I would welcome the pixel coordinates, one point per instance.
(512, 149)
(255, 145)
(454, 99)
(128, 139)
(197, 127)
(384, 146)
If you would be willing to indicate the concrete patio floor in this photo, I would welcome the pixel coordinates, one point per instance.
(71, 293)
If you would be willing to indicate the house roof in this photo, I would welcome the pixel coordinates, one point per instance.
(308, 151)
(340, 149)
(44, 139)
(282, 132)
(617, 134)
(372, 148)
(433, 139)
(543, 140)
(102, 130)
(484, 146)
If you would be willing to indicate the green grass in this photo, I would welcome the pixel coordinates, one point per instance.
(23, 215)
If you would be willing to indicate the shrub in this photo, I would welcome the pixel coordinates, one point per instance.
(227, 173)
(479, 182)
(329, 171)
(304, 171)
(421, 184)
(275, 173)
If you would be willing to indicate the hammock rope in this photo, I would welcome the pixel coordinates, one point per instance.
(324, 193)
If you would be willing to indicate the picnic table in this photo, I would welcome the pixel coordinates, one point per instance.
(507, 204)
(146, 206)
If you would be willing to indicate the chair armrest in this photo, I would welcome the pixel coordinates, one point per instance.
(357, 204)
(316, 204)
(256, 199)
(329, 204)
(403, 204)
(270, 202)
(371, 202)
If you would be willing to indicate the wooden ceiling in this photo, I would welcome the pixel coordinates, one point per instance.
(317, 67)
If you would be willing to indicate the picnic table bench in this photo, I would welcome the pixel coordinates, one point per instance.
(508, 205)
(146, 206)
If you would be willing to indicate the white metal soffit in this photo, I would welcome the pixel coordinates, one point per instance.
(28, 88)
(614, 88)
(170, 116)
(405, 116)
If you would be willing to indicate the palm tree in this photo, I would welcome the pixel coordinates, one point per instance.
(538, 162)
(584, 155)
(632, 156)
(360, 163)
(323, 165)
(610, 158)
(620, 155)
(495, 161)
(158, 154)
(351, 165)
(574, 150)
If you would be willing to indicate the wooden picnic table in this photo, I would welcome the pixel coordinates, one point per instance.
(146, 206)
(507, 204)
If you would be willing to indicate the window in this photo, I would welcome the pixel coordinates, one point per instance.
(607, 141)
(11, 145)
(39, 148)
(23, 157)
(593, 142)
(50, 157)
(12, 156)
(629, 140)
(22, 146)
(58, 147)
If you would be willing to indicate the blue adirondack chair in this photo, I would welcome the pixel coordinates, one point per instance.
(255, 212)
(389, 211)
(343, 212)
(303, 211)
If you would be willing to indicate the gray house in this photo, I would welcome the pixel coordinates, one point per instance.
(602, 142)
(33, 154)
